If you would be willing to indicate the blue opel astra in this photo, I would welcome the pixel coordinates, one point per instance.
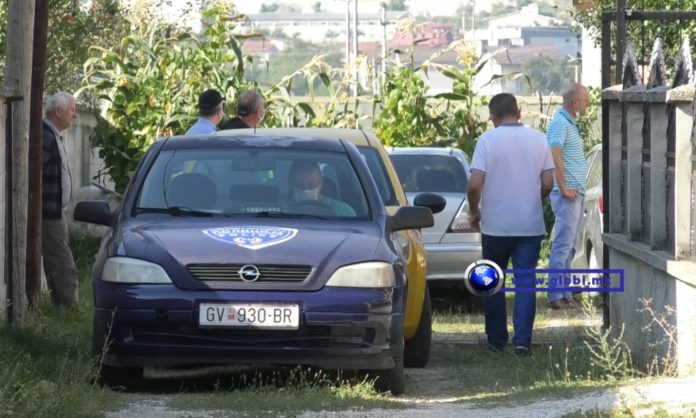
(225, 250)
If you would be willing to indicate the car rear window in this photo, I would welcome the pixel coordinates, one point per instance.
(248, 181)
(430, 173)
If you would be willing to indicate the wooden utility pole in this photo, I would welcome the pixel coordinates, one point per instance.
(20, 31)
(38, 70)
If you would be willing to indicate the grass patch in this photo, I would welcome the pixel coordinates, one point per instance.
(300, 391)
(45, 368)
(562, 364)
(257, 390)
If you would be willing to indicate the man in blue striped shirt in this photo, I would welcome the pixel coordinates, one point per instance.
(569, 184)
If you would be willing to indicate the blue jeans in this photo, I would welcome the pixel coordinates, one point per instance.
(565, 230)
(525, 254)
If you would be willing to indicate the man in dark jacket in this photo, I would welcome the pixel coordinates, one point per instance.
(59, 265)
(251, 109)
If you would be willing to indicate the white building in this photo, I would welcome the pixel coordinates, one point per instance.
(321, 27)
(507, 30)
(526, 34)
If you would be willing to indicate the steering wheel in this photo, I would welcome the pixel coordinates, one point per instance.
(312, 205)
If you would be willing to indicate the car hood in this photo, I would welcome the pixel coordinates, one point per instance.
(178, 244)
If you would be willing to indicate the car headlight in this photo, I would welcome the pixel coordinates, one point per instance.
(373, 274)
(132, 270)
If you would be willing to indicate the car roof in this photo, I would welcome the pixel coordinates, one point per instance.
(425, 150)
(448, 151)
(357, 137)
(244, 139)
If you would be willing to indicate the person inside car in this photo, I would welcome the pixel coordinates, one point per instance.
(305, 188)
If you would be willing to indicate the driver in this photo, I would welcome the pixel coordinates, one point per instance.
(305, 186)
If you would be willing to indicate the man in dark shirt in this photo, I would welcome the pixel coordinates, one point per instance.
(251, 109)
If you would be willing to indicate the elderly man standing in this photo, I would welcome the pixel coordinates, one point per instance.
(59, 265)
(251, 109)
(211, 110)
(569, 186)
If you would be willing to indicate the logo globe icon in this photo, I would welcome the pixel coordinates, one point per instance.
(484, 278)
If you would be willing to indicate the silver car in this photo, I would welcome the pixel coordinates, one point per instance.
(451, 244)
(588, 243)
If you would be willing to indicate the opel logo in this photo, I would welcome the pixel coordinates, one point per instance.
(249, 273)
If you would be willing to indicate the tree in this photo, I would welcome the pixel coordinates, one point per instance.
(17, 80)
(72, 28)
(499, 9)
(547, 75)
(397, 5)
(269, 8)
(640, 35)
(317, 7)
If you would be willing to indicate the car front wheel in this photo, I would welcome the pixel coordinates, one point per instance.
(392, 380)
(118, 377)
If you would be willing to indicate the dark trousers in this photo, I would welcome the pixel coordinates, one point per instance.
(524, 252)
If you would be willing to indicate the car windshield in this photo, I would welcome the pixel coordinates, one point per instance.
(253, 182)
(430, 173)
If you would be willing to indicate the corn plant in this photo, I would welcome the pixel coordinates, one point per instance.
(149, 83)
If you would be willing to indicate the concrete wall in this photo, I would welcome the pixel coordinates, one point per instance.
(650, 212)
(662, 292)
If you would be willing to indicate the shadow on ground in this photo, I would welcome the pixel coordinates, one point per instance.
(228, 378)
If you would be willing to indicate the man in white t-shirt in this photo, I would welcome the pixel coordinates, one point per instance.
(511, 172)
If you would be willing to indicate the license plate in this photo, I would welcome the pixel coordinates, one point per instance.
(249, 315)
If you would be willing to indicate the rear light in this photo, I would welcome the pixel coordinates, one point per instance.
(461, 222)
(600, 204)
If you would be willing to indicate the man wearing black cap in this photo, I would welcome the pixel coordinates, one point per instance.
(211, 109)
(251, 109)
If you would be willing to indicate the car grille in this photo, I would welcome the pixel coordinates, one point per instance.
(305, 337)
(268, 273)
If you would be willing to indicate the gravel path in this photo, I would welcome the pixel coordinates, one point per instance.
(671, 396)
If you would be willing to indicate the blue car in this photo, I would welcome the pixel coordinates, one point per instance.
(223, 252)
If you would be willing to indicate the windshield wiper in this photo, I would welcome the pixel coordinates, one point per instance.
(280, 214)
(177, 211)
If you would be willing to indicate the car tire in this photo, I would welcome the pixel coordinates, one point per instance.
(392, 380)
(120, 378)
(417, 349)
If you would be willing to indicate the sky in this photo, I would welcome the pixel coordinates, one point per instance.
(433, 7)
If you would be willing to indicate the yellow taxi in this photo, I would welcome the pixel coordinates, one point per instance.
(418, 312)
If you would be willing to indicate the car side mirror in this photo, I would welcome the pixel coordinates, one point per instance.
(432, 201)
(94, 212)
(412, 217)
